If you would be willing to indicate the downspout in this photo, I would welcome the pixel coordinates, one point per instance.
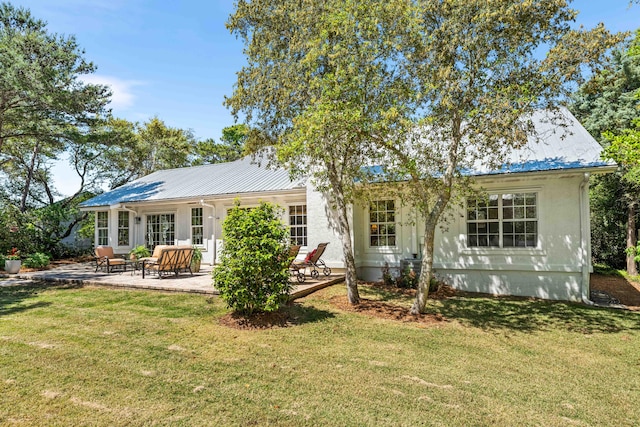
(585, 234)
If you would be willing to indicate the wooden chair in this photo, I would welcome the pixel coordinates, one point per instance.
(106, 259)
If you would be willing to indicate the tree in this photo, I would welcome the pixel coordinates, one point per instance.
(230, 148)
(428, 88)
(42, 99)
(476, 82)
(253, 274)
(41, 92)
(607, 105)
(320, 84)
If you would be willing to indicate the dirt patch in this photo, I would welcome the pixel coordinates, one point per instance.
(266, 320)
(624, 290)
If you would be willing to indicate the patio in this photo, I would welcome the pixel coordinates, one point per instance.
(84, 274)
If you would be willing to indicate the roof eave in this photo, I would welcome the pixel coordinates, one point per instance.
(196, 199)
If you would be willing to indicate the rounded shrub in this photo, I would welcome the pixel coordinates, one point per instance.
(36, 260)
(253, 274)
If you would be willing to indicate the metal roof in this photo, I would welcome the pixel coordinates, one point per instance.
(238, 177)
(555, 148)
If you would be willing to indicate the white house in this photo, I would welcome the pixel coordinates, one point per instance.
(531, 238)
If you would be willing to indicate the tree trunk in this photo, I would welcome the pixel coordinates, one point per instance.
(342, 218)
(632, 240)
(29, 177)
(426, 273)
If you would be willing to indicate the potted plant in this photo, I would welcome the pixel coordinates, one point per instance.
(139, 252)
(12, 263)
(196, 259)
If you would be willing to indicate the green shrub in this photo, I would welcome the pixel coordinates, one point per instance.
(36, 260)
(408, 279)
(253, 274)
(2, 260)
(140, 251)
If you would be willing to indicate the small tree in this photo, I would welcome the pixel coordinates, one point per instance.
(253, 274)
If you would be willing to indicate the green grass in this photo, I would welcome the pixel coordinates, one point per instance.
(91, 356)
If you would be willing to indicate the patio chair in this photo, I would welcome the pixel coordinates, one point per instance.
(293, 253)
(106, 259)
(170, 260)
(313, 262)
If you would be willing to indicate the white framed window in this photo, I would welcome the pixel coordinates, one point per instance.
(503, 220)
(123, 228)
(161, 229)
(298, 224)
(197, 227)
(382, 223)
(102, 228)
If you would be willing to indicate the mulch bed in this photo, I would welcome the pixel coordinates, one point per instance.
(267, 320)
(384, 310)
(623, 290)
(367, 307)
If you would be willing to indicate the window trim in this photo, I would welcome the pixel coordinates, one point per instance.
(98, 228)
(175, 222)
(388, 249)
(305, 237)
(502, 250)
(128, 228)
(201, 226)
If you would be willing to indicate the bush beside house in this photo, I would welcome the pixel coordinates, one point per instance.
(253, 274)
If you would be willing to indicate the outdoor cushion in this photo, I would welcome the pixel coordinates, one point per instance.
(310, 255)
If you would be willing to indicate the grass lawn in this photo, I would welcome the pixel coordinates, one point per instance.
(94, 356)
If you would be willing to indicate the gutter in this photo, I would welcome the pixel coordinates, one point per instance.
(585, 234)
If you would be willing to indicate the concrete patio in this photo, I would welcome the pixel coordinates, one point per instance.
(201, 283)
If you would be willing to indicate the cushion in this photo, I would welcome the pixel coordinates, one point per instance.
(310, 255)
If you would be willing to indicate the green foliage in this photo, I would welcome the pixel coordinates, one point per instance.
(253, 273)
(42, 97)
(230, 148)
(608, 105)
(36, 260)
(140, 251)
(2, 260)
(428, 87)
(608, 219)
(197, 255)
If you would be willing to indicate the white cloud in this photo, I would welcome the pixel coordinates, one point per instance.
(122, 94)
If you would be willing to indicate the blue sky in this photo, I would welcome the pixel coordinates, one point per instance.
(176, 59)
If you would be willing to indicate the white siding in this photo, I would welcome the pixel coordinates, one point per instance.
(553, 270)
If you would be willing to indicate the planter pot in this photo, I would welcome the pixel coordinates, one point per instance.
(195, 267)
(12, 266)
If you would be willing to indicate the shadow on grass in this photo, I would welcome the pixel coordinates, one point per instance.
(13, 298)
(290, 315)
(526, 315)
(520, 314)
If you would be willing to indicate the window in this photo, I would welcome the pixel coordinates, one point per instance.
(102, 227)
(382, 223)
(197, 227)
(123, 228)
(503, 221)
(298, 224)
(161, 230)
